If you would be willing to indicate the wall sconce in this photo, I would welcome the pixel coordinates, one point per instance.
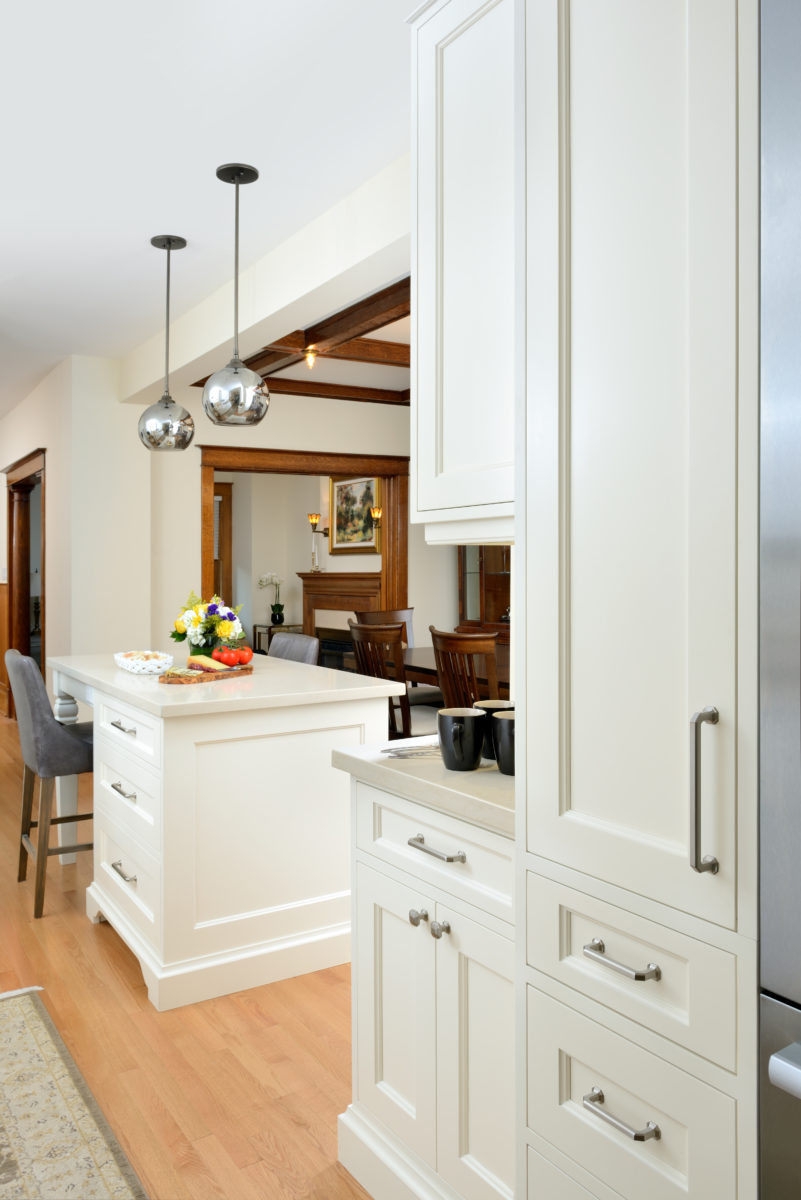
(314, 521)
(311, 355)
(376, 514)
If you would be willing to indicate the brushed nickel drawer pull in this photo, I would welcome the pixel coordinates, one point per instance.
(708, 862)
(117, 866)
(120, 790)
(592, 1102)
(596, 950)
(416, 917)
(119, 725)
(418, 843)
(440, 927)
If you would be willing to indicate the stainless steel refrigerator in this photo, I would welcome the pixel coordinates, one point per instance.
(780, 604)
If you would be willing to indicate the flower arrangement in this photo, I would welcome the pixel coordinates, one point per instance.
(270, 579)
(206, 623)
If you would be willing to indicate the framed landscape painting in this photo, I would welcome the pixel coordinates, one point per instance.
(351, 526)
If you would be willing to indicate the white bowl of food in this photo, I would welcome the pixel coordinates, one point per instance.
(143, 662)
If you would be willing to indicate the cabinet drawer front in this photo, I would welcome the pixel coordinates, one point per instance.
(138, 733)
(128, 794)
(693, 1002)
(547, 1182)
(138, 896)
(570, 1055)
(385, 824)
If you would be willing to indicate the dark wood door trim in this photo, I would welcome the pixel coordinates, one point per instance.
(393, 470)
(23, 468)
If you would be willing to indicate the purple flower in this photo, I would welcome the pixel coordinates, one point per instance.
(212, 608)
(230, 616)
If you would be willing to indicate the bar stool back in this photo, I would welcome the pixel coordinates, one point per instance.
(49, 750)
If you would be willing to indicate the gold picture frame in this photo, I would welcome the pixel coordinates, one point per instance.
(351, 528)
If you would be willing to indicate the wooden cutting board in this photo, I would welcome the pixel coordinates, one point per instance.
(186, 675)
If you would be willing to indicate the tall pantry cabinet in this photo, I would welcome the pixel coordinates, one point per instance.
(637, 509)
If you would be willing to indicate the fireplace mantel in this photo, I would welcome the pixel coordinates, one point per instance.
(341, 591)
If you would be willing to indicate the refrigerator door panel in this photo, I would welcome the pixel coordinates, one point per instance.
(780, 1110)
(780, 565)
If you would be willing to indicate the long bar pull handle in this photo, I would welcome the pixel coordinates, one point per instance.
(418, 843)
(117, 866)
(593, 1101)
(119, 725)
(596, 950)
(708, 862)
(120, 790)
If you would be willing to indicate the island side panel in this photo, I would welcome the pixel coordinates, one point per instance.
(256, 859)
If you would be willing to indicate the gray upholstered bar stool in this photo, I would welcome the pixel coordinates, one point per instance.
(298, 647)
(48, 750)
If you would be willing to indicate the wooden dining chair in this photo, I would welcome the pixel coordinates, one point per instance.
(418, 693)
(462, 660)
(378, 650)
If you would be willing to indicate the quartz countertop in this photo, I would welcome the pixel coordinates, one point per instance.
(275, 682)
(483, 797)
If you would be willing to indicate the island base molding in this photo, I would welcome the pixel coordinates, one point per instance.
(171, 985)
(384, 1167)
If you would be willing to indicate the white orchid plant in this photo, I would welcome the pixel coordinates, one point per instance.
(270, 579)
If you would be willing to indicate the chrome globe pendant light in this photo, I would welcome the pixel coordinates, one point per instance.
(236, 395)
(166, 425)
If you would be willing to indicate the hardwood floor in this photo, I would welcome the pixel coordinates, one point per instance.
(235, 1098)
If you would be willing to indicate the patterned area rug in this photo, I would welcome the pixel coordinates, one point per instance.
(55, 1143)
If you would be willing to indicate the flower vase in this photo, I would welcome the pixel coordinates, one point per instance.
(205, 649)
(276, 614)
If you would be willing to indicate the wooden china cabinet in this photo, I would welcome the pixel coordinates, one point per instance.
(484, 592)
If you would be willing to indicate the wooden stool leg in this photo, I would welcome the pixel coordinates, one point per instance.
(25, 828)
(46, 791)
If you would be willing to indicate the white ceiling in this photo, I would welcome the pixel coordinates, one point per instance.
(115, 118)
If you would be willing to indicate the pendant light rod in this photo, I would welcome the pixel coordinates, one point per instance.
(168, 242)
(237, 174)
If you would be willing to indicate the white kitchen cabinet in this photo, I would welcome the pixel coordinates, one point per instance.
(464, 256)
(433, 1112)
(637, 601)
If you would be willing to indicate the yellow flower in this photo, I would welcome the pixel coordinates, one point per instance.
(225, 629)
(180, 627)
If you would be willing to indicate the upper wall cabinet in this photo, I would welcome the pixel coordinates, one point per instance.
(464, 361)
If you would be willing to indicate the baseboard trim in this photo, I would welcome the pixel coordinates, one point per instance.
(383, 1166)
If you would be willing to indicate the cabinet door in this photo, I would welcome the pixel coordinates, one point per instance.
(632, 440)
(464, 261)
(395, 1009)
(475, 1059)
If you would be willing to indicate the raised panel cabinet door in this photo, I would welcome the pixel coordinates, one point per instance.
(395, 1009)
(475, 1058)
(464, 256)
(632, 168)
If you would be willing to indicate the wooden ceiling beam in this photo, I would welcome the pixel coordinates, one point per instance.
(390, 304)
(337, 391)
(371, 350)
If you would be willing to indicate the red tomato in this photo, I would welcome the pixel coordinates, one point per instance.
(217, 653)
(229, 658)
(244, 653)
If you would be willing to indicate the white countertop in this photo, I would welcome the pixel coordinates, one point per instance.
(483, 797)
(275, 682)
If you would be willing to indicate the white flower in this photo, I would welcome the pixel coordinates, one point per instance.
(270, 580)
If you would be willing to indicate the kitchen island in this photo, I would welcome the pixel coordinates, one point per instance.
(221, 831)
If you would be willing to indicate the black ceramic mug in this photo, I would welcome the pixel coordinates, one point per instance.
(503, 737)
(490, 707)
(461, 737)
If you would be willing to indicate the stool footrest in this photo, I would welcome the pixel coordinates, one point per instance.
(69, 849)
